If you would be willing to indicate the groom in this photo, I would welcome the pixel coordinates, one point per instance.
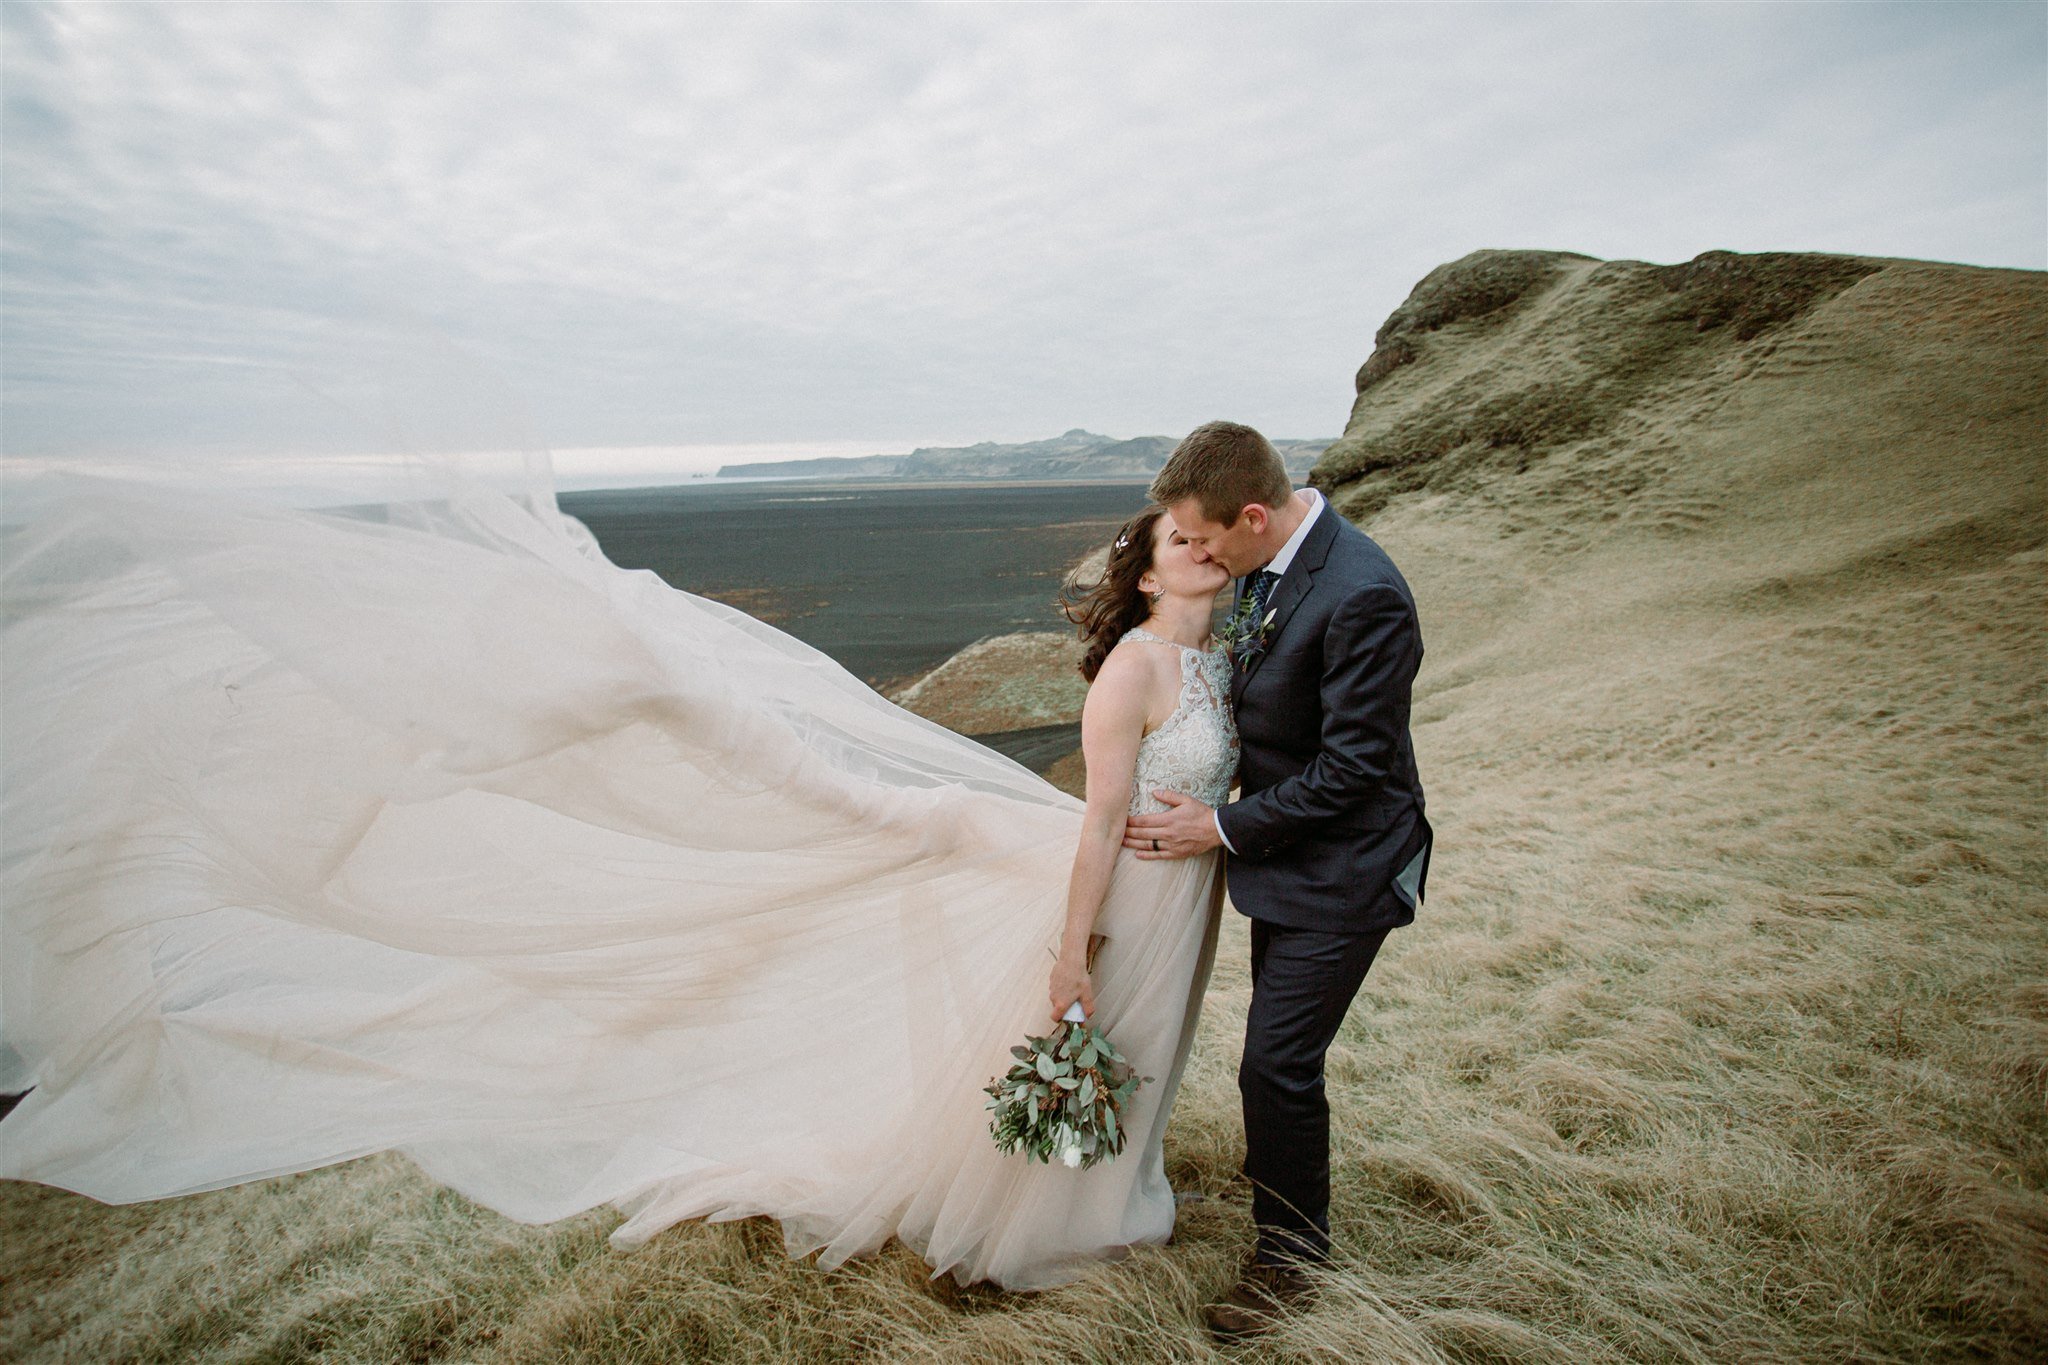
(1328, 843)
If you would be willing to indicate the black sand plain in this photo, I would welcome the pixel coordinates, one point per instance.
(891, 580)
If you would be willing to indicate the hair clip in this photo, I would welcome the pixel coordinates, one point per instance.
(1123, 543)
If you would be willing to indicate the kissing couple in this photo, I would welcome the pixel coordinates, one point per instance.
(436, 832)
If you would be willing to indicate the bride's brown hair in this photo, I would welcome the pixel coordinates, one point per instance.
(1105, 611)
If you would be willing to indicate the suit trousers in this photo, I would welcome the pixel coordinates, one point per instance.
(1303, 982)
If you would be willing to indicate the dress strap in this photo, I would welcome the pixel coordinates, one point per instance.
(1140, 633)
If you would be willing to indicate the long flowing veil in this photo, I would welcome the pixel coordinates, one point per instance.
(419, 825)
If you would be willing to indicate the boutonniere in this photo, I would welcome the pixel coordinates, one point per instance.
(1243, 637)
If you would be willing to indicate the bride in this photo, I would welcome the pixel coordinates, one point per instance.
(426, 828)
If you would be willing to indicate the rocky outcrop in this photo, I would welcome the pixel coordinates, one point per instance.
(1503, 358)
(1541, 435)
(1003, 683)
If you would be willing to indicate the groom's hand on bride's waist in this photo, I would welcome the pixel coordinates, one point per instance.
(1182, 832)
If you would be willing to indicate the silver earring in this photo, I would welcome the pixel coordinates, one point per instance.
(1155, 596)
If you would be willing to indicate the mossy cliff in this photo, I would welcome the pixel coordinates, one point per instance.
(1501, 358)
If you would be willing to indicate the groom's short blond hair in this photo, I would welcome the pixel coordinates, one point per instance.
(1225, 467)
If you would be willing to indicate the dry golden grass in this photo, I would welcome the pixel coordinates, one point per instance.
(1723, 1036)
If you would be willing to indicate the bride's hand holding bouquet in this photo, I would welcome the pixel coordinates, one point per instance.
(1072, 981)
(1065, 1093)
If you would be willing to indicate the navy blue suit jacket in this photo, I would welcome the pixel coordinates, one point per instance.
(1330, 809)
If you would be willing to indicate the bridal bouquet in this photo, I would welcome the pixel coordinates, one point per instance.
(1063, 1096)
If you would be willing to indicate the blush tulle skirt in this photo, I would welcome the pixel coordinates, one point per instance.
(431, 830)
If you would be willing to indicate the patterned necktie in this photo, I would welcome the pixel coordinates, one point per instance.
(1261, 592)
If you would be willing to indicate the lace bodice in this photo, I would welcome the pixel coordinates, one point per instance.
(1194, 750)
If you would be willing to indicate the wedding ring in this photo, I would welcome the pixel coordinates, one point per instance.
(1155, 845)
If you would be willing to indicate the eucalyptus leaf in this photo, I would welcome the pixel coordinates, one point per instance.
(1062, 1097)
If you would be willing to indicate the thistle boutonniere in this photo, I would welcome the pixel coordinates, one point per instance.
(1242, 636)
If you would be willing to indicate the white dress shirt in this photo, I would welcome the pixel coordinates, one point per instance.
(1280, 565)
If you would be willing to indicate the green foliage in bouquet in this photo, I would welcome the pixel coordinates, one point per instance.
(1243, 636)
(1064, 1097)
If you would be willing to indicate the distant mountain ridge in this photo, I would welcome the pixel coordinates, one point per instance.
(1076, 454)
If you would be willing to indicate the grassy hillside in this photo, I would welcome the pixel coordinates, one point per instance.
(1724, 1033)
(1726, 1037)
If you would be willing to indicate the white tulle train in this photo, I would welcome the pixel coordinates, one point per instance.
(326, 835)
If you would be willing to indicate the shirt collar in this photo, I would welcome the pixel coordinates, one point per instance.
(1282, 560)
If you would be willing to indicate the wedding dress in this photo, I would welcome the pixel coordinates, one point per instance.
(426, 828)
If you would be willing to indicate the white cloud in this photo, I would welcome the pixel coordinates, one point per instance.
(669, 226)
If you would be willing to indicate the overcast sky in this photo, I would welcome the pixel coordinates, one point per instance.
(851, 228)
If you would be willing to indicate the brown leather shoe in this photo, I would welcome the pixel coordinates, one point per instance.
(1256, 1301)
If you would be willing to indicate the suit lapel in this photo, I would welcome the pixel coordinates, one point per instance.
(1293, 587)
